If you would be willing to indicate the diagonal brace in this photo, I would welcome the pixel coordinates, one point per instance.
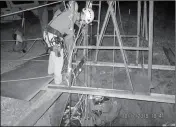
(120, 41)
(102, 30)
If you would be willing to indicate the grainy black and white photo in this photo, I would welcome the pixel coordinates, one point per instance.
(88, 63)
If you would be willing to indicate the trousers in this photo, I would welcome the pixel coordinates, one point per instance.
(58, 65)
(55, 66)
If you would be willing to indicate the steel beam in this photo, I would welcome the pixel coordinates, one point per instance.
(29, 9)
(111, 47)
(145, 20)
(132, 66)
(150, 54)
(138, 29)
(114, 93)
(109, 35)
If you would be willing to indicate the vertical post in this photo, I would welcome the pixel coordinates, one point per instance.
(145, 29)
(145, 20)
(113, 49)
(138, 29)
(151, 6)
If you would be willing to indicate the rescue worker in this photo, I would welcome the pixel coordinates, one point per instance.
(20, 44)
(58, 36)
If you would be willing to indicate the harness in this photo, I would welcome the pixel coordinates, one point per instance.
(56, 41)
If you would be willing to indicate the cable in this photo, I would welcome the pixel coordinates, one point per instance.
(29, 9)
(28, 50)
(24, 40)
(22, 60)
(70, 59)
(26, 79)
(28, 59)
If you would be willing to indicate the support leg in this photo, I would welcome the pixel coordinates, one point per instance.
(138, 29)
(145, 20)
(151, 6)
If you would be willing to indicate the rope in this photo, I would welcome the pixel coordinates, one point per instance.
(23, 60)
(29, 58)
(17, 80)
(75, 43)
(28, 50)
(29, 9)
(24, 40)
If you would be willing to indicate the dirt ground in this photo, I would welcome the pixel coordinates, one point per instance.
(132, 112)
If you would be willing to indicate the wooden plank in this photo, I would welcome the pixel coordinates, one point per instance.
(38, 108)
(114, 93)
(110, 64)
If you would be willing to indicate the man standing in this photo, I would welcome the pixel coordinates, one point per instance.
(58, 36)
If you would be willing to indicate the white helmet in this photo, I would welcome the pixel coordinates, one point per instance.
(89, 15)
(70, 3)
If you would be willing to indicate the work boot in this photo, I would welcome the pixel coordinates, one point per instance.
(57, 79)
(65, 79)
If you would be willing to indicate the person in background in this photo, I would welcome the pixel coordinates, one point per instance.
(20, 44)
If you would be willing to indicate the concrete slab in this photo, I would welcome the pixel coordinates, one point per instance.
(25, 90)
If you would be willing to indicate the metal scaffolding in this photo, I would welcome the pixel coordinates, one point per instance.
(53, 91)
(146, 35)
